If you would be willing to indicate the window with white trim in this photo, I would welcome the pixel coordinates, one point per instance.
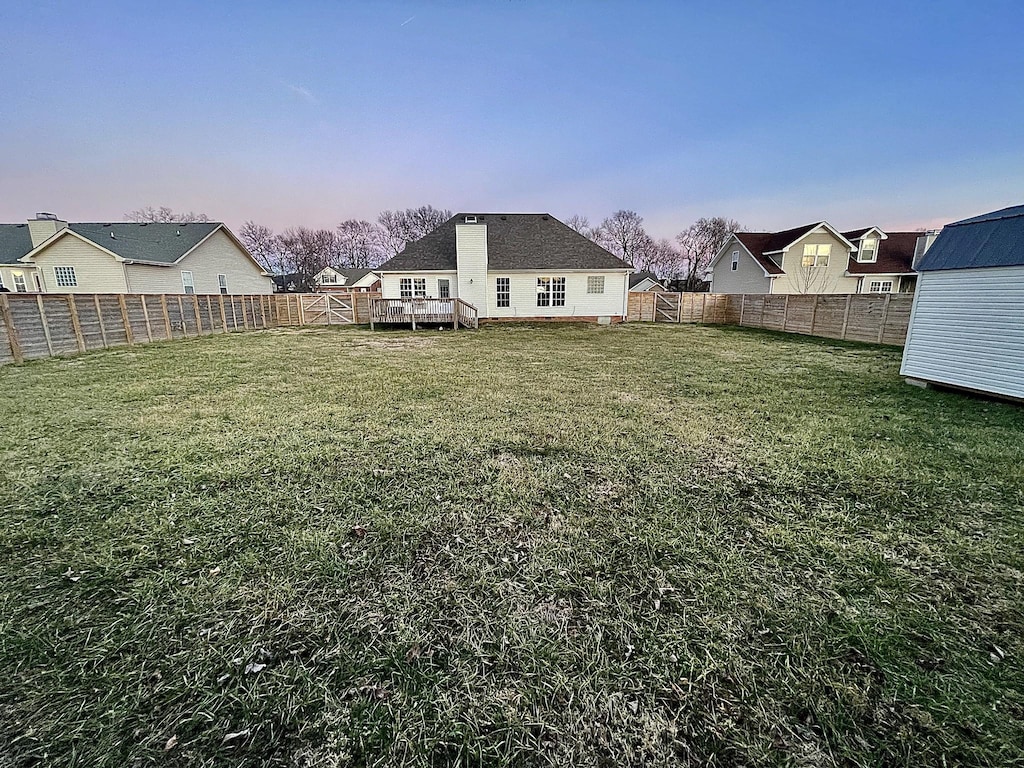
(595, 284)
(187, 283)
(65, 277)
(881, 286)
(329, 277)
(444, 288)
(412, 287)
(868, 249)
(222, 283)
(503, 291)
(550, 291)
(735, 261)
(816, 255)
(19, 283)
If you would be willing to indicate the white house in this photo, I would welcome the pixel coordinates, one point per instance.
(817, 258)
(645, 281)
(346, 279)
(512, 266)
(967, 323)
(49, 255)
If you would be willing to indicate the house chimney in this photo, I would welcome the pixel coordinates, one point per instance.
(924, 242)
(43, 227)
(471, 261)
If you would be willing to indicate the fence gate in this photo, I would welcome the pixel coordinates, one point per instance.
(666, 307)
(326, 309)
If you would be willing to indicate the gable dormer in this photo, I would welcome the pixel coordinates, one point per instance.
(867, 244)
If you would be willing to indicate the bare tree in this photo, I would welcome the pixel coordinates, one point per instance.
(360, 244)
(163, 214)
(582, 225)
(623, 234)
(265, 247)
(308, 251)
(399, 228)
(811, 279)
(699, 243)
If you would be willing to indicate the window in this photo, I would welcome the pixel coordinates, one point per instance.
(504, 292)
(595, 284)
(868, 249)
(409, 287)
(222, 283)
(329, 278)
(816, 255)
(1, 279)
(19, 282)
(186, 282)
(550, 291)
(65, 277)
(735, 261)
(881, 286)
(444, 288)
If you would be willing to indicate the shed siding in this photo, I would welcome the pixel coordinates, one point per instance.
(95, 271)
(217, 255)
(967, 330)
(523, 295)
(749, 277)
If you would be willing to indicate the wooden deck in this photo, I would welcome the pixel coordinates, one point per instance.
(454, 312)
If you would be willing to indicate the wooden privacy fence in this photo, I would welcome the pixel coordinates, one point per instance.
(881, 318)
(37, 325)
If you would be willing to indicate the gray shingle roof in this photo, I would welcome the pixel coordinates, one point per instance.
(514, 241)
(991, 240)
(638, 277)
(156, 243)
(352, 274)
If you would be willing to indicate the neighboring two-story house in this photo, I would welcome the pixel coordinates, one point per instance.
(49, 255)
(817, 258)
(522, 266)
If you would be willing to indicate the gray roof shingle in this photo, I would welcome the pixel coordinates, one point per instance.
(156, 243)
(993, 239)
(514, 241)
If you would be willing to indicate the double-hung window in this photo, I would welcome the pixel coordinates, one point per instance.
(868, 249)
(19, 283)
(503, 291)
(412, 287)
(329, 277)
(735, 261)
(222, 283)
(881, 286)
(65, 277)
(187, 283)
(816, 255)
(550, 291)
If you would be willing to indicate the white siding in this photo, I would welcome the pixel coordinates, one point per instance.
(390, 283)
(217, 255)
(578, 303)
(471, 259)
(95, 270)
(967, 330)
(27, 271)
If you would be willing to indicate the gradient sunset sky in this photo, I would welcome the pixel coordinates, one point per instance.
(898, 114)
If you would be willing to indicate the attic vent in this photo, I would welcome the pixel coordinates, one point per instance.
(471, 219)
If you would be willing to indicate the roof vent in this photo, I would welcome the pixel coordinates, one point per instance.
(45, 216)
(112, 235)
(471, 219)
(177, 233)
(545, 218)
(504, 218)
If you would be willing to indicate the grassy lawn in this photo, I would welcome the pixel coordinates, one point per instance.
(643, 545)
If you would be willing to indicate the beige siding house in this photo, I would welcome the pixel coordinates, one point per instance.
(817, 258)
(58, 257)
(346, 279)
(512, 266)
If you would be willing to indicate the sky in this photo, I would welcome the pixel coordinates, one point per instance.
(896, 114)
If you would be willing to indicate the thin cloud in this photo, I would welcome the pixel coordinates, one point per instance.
(407, 21)
(304, 93)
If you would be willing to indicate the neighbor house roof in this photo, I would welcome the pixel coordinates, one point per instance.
(15, 242)
(895, 254)
(991, 240)
(152, 243)
(638, 277)
(759, 242)
(515, 241)
(351, 275)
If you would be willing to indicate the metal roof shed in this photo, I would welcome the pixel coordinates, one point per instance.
(967, 324)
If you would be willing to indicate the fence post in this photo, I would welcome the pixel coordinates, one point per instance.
(46, 326)
(12, 332)
(76, 326)
(124, 319)
(223, 315)
(99, 317)
(302, 311)
(846, 315)
(743, 306)
(814, 312)
(885, 316)
(145, 314)
(167, 317)
(785, 314)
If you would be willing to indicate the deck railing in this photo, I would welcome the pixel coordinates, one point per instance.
(423, 311)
